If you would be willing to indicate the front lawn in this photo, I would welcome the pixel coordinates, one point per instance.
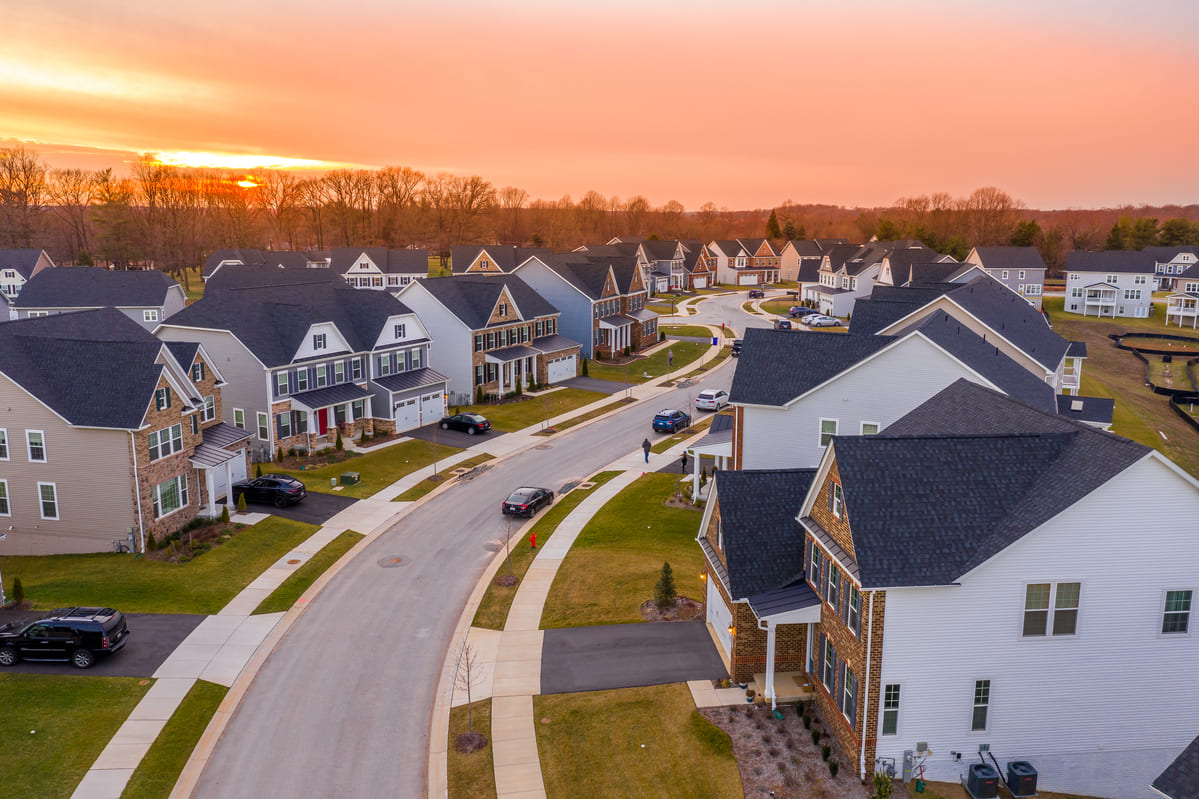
(54, 727)
(655, 365)
(433, 481)
(694, 331)
(138, 585)
(512, 416)
(779, 307)
(159, 770)
(712, 364)
(682, 435)
(283, 597)
(493, 610)
(378, 470)
(632, 743)
(566, 424)
(617, 558)
(471, 775)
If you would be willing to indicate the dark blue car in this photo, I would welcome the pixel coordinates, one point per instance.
(672, 420)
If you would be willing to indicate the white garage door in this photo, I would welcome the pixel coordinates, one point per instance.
(561, 368)
(750, 279)
(238, 466)
(701, 282)
(407, 414)
(432, 407)
(719, 616)
(220, 487)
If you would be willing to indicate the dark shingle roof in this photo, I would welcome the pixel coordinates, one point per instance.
(659, 249)
(1086, 409)
(506, 258)
(1009, 257)
(262, 276)
(391, 261)
(962, 477)
(886, 305)
(472, 298)
(923, 273)
(23, 261)
(413, 378)
(1180, 780)
(1010, 316)
(184, 352)
(809, 271)
(776, 366)
(272, 322)
(94, 368)
(242, 256)
(805, 248)
(92, 287)
(1111, 261)
(763, 542)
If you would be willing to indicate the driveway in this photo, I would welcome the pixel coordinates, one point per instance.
(451, 438)
(152, 636)
(595, 384)
(314, 509)
(627, 656)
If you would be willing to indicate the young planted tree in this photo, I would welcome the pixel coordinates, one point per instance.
(665, 592)
(464, 678)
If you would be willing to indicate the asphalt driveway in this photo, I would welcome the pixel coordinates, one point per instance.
(315, 508)
(627, 656)
(451, 438)
(152, 637)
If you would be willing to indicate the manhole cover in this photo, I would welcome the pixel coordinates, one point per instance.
(392, 562)
(585, 485)
(544, 446)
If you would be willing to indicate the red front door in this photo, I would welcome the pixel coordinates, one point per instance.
(322, 420)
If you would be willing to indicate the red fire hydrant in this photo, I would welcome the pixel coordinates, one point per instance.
(533, 539)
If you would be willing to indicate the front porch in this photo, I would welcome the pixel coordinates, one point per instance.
(514, 365)
(1183, 307)
(318, 416)
(614, 335)
(1099, 300)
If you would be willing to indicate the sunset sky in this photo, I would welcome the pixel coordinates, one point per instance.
(745, 104)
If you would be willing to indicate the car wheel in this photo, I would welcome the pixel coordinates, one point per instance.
(82, 659)
(470, 431)
(280, 502)
(8, 656)
(445, 426)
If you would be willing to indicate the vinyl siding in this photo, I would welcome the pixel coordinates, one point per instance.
(576, 320)
(1099, 714)
(452, 348)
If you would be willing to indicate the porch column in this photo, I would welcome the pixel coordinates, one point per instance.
(209, 483)
(770, 661)
(810, 663)
(228, 484)
(695, 469)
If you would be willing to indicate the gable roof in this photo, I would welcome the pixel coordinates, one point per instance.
(1111, 262)
(886, 305)
(389, 260)
(95, 368)
(962, 477)
(763, 542)
(1010, 316)
(804, 248)
(589, 273)
(472, 298)
(263, 276)
(809, 271)
(505, 257)
(1165, 255)
(238, 256)
(22, 260)
(809, 360)
(1180, 780)
(659, 249)
(1009, 257)
(93, 286)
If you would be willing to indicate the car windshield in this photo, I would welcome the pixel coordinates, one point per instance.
(521, 495)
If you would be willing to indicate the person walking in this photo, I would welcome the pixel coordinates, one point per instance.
(684, 458)
(669, 359)
(645, 445)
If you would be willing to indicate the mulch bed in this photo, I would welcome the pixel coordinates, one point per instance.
(295, 463)
(469, 742)
(683, 609)
(195, 541)
(777, 757)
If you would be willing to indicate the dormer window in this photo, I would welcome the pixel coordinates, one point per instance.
(150, 316)
(400, 331)
(198, 371)
(837, 500)
(483, 263)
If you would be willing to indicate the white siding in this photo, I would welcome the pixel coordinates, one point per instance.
(334, 342)
(879, 391)
(1101, 713)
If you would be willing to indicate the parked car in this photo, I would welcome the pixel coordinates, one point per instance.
(526, 500)
(782, 324)
(820, 320)
(672, 420)
(755, 294)
(469, 423)
(77, 635)
(711, 399)
(737, 343)
(280, 489)
(798, 311)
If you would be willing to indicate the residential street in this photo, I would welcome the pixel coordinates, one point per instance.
(343, 705)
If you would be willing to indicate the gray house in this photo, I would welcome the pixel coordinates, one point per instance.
(147, 297)
(1021, 269)
(379, 268)
(17, 266)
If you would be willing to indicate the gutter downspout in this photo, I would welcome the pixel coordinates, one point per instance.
(866, 699)
(137, 491)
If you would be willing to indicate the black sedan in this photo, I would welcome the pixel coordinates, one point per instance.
(279, 489)
(526, 500)
(470, 423)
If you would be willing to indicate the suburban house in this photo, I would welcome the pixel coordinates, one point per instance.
(491, 259)
(6, 311)
(306, 362)
(379, 268)
(263, 276)
(848, 272)
(1021, 269)
(109, 435)
(492, 333)
(918, 267)
(799, 262)
(313, 259)
(663, 264)
(996, 536)
(1172, 265)
(745, 262)
(147, 297)
(1110, 283)
(17, 267)
(1183, 306)
(602, 301)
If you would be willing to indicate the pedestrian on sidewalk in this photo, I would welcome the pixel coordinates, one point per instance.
(684, 461)
(669, 358)
(645, 445)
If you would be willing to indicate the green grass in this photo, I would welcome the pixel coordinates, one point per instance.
(159, 770)
(471, 775)
(748, 307)
(687, 330)
(429, 483)
(493, 610)
(54, 727)
(633, 743)
(435, 269)
(582, 417)
(283, 597)
(665, 310)
(512, 416)
(377, 469)
(670, 441)
(685, 352)
(138, 585)
(725, 352)
(194, 288)
(779, 307)
(617, 558)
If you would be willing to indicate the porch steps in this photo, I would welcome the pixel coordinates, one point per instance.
(789, 686)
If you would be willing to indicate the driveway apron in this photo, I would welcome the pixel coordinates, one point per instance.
(315, 508)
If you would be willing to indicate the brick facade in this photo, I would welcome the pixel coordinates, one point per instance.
(823, 515)
(149, 474)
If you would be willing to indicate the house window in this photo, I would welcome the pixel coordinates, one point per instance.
(384, 365)
(36, 444)
(150, 316)
(48, 494)
(830, 665)
(166, 441)
(5, 510)
(339, 372)
(849, 694)
(491, 341)
(1003, 275)
(356, 369)
(1040, 597)
(284, 423)
(1177, 614)
(1132, 294)
(239, 418)
(280, 383)
(869, 428)
(322, 376)
(399, 332)
(891, 709)
(358, 408)
(264, 432)
(537, 329)
(853, 611)
(162, 398)
(479, 375)
(828, 429)
(170, 496)
(837, 500)
(982, 699)
(833, 587)
(3, 444)
(1076, 292)
(814, 574)
(393, 280)
(415, 359)
(318, 341)
(1110, 279)
(197, 371)
(1033, 289)
(1138, 280)
(503, 309)
(302, 380)
(209, 412)
(195, 425)
(478, 342)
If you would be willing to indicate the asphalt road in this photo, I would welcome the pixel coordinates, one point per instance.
(343, 705)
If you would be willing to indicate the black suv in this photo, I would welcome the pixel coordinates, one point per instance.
(74, 634)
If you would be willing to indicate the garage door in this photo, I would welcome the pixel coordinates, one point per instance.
(407, 414)
(220, 486)
(701, 282)
(561, 368)
(432, 407)
(238, 466)
(719, 616)
(750, 279)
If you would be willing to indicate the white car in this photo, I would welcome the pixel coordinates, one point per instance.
(711, 399)
(819, 320)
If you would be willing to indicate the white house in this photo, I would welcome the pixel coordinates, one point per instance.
(1110, 283)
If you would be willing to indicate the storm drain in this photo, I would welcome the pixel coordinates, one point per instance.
(568, 487)
(392, 562)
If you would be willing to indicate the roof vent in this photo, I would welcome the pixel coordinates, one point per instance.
(1076, 405)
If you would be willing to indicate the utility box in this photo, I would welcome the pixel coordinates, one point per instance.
(349, 478)
(982, 782)
(1021, 778)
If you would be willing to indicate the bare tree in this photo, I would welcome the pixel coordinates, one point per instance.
(71, 193)
(464, 678)
(22, 196)
(277, 195)
(512, 202)
(398, 190)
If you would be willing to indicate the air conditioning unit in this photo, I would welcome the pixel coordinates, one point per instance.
(1021, 778)
(982, 781)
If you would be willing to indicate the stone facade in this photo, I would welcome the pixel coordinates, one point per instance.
(149, 474)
